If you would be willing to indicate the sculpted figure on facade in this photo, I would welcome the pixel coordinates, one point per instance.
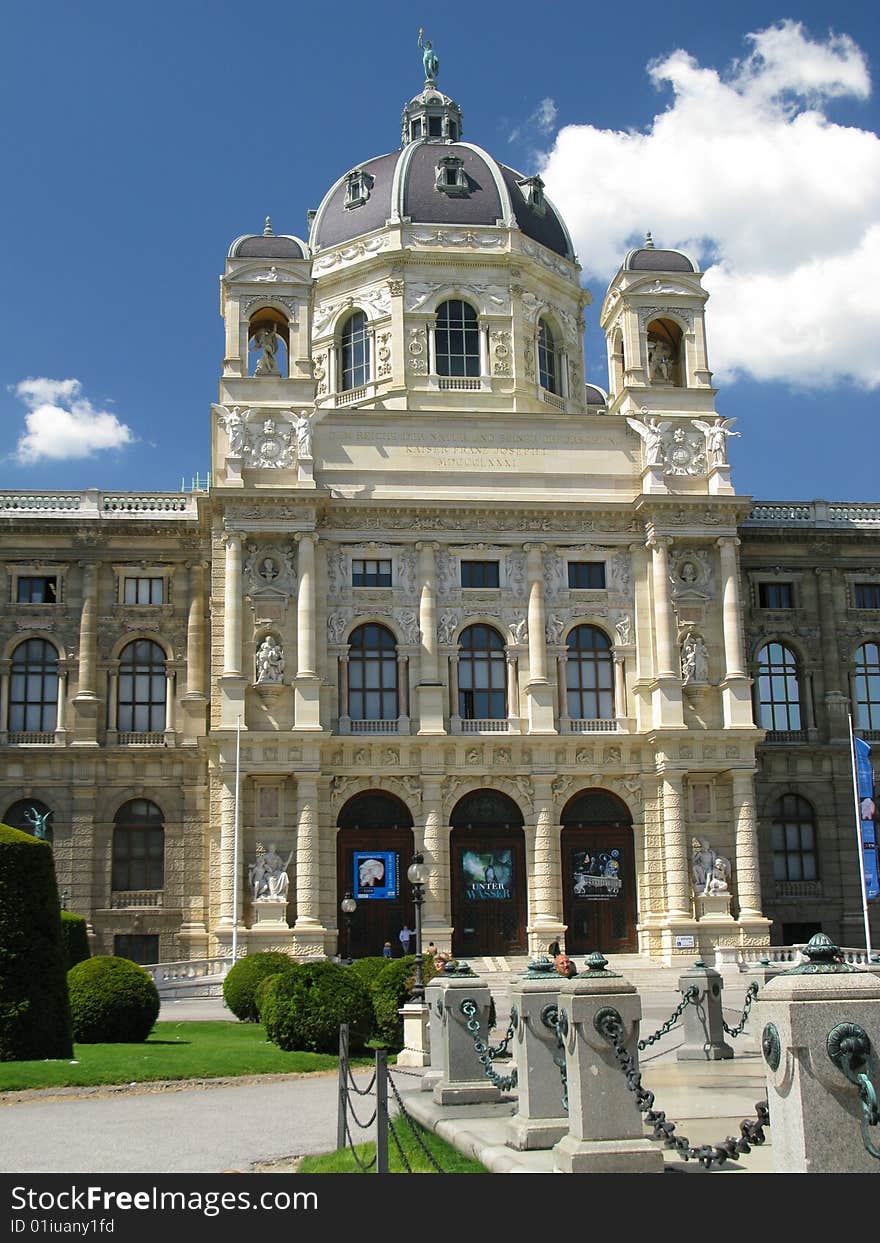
(269, 874)
(623, 626)
(703, 863)
(39, 822)
(269, 446)
(717, 434)
(719, 877)
(270, 660)
(652, 432)
(336, 624)
(446, 628)
(661, 362)
(232, 420)
(430, 63)
(302, 426)
(265, 340)
(694, 659)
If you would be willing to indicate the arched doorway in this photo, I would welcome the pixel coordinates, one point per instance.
(488, 875)
(374, 847)
(598, 874)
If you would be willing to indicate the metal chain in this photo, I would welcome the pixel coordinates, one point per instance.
(483, 1051)
(870, 1112)
(417, 1135)
(848, 1047)
(550, 1019)
(362, 1125)
(751, 994)
(397, 1144)
(363, 1166)
(689, 998)
(610, 1025)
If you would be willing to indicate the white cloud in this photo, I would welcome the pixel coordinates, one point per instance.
(62, 424)
(745, 170)
(540, 121)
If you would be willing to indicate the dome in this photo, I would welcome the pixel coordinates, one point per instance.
(648, 259)
(438, 183)
(268, 245)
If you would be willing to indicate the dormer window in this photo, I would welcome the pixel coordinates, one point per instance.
(415, 128)
(357, 188)
(451, 177)
(533, 189)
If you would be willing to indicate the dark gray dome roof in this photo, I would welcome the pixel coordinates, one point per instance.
(647, 259)
(268, 245)
(403, 184)
(594, 395)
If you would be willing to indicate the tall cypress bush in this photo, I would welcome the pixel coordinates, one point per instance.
(34, 1006)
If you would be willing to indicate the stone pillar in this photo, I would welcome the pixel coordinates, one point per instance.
(540, 1120)
(512, 687)
(4, 699)
(545, 916)
(113, 698)
(232, 607)
(437, 910)
(605, 1133)
(703, 1020)
(454, 718)
(484, 349)
(86, 698)
(464, 1081)
(747, 870)
(667, 708)
(195, 633)
(227, 847)
(308, 929)
(60, 726)
(430, 689)
(675, 848)
(307, 708)
(835, 688)
(620, 711)
(169, 700)
(403, 691)
(735, 694)
(562, 678)
(539, 692)
(344, 717)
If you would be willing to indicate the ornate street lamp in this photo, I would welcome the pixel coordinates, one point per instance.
(349, 906)
(417, 875)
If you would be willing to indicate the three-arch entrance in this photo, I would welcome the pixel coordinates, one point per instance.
(488, 875)
(374, 847)
(598, 874)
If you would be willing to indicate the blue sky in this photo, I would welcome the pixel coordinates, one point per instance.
(137, 143)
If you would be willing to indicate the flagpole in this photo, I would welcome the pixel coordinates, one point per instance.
(858, 811)
(235, 842)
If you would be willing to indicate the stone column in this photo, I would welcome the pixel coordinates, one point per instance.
(512, 686)
(730, 609)
(746, 867)
(619, 686)
(484, 349)
(169, 700)
(4, 699)
(454, 718)
(562, 676)
(195, 632)
(667, 661)
(437, 910)
(227, 846)
(307, 707)
(344, 718)
(835, 678)
(675, 850)
(308, 928)
(232, 607)
(430, 690)
(539, 692)
(86, 699)
(62, 704)
(403, 687)
(113, 698)
(545, 914)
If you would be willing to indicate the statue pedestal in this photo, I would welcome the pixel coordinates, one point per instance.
(653, 480)
(269, 690)
(714, 907)
(270, 912)
(719, 480)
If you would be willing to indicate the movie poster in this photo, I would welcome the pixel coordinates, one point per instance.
(375, 874)
(596, 874)
(488, 876)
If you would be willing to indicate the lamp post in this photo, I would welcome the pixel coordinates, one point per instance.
(349, 906)
(417, 875)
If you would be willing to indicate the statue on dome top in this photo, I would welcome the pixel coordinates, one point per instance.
(429, 58)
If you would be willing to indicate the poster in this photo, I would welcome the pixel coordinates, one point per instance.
(488, 875)
(596, 874)
(375, 874)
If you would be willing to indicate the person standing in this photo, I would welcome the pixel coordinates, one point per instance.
(404, 938)
(386, 950)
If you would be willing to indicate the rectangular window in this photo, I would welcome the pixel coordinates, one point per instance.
(136, 947)
(43, 590)
(370, 573)
(776, 595)
(144, 591)
(435, 127)
(479, 574)
(586, 575)
(867, 595)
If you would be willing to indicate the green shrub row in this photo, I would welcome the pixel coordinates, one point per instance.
(112, 1000)
(76, 939)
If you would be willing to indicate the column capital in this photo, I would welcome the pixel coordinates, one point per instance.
(658, 541)
(535, 547)
(433, 545)
(305, 535)
(511, 655)
(728, 541)
(229, 536)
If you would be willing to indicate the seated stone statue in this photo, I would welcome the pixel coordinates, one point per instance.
(717, 881)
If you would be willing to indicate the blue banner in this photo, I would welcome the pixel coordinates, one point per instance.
(867, 808)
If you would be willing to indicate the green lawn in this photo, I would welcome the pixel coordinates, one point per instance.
(211, 1050)
(448, 1158)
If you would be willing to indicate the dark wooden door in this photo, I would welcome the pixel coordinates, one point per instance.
(488, 881)
(599, 890)
(371, 865)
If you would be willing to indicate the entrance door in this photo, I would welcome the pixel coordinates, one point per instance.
(374, 848)
(599, 890)
(488, 893)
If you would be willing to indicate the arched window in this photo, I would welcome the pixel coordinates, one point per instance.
(141, 697)
(779, 705)
(354, 358)
(589, 675)
(138, 847)
(481, 675)
(28, 814)
(548, 359)
(457, 339)
(372, 674)
(867, 662)
(33, 687)
(794, 840)
(664, 340)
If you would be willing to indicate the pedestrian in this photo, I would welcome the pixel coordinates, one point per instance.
(386, 950)
(432, 949)
(405, 934)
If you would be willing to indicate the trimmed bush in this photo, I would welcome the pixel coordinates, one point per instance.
(303, 1009)
(240, 985)
(76, 939)
(262, 988)
(391, 988)
(112, 1001)
(34, 1008)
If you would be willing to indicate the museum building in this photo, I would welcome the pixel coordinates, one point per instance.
(443, 595)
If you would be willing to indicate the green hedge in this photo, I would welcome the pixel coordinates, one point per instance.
(76, 939)
(240, 985)
(112, 1001)
(262, 989)
(391, 988)
(34, 1008)
(303, 1009)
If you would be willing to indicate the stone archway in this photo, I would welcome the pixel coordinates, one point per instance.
(374, 847)
(488, 875)
(598, 874)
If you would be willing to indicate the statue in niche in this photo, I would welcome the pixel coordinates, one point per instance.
(661, 362)
(303, 428)
(39, 822)
(430, 63)
(703, 863)
(270, 660)
(694, 659)
(652, 432)
(268, 875)
(716, 438)
(718, 879)
(266, 340)
(268, 570)
(233, 424)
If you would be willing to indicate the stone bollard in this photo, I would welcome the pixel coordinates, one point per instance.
(703, 1020)
(463, 1081)
(540, 1119)
(807, 1015)
(436, 1043)
(605, 1126)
